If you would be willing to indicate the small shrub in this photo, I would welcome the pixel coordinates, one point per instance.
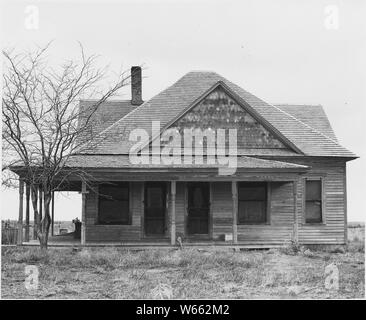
(292, 248)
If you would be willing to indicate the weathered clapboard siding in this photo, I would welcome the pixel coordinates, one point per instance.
(95, 232)
(277, 230)
(222, 209)
(332, 231)
(280, 225)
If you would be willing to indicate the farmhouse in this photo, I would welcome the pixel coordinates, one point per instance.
(289, 180)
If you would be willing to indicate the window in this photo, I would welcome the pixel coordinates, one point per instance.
(313, 201)
(252, 206)
(114, 207)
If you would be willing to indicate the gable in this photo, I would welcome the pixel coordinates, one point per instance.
(172, 102)
(220, 111)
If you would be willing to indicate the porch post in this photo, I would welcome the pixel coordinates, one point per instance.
(20, 218)
(53, 214)
(83, 211)
(27, 197)
(296, 231)
(40, 211)
(172, 217)
(34, 215)
(234, 190)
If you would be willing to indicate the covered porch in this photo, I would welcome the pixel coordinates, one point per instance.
(170, 207)
(196, 209)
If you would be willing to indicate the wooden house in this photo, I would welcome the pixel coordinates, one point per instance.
(289, 182)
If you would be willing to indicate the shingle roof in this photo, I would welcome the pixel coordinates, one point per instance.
(106, 114)
(168, 105)
(312, 115)
(122, 161)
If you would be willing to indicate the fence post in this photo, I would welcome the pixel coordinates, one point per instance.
(84, 192)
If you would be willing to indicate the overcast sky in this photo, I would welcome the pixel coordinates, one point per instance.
(282, 51)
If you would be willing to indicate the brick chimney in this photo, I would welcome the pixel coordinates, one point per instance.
(136, 86)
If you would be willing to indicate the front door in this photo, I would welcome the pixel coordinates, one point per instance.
(155, 208)
(198, 208)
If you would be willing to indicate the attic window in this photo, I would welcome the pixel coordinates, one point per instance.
(114, 204)
(313, 201)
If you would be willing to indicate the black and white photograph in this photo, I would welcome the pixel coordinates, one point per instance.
(200, 153)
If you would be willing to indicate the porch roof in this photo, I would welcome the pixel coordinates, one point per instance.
(123, 162)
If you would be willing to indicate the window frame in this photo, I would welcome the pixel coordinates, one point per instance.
(129, 222)
(267, 200)
(323, 200)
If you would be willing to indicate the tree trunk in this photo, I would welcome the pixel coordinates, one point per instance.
(46, 221)
(34, 198)
(42, 223)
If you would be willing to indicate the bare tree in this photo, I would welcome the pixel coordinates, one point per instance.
(42, 123)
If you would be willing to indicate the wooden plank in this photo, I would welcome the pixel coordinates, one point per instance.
(296, 232)
(83, 212)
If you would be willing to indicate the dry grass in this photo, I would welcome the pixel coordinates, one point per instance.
(356, 237)
(113, 273)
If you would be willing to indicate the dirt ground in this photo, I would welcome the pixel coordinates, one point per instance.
(112, 273)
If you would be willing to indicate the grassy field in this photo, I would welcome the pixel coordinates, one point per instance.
(112, 273)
